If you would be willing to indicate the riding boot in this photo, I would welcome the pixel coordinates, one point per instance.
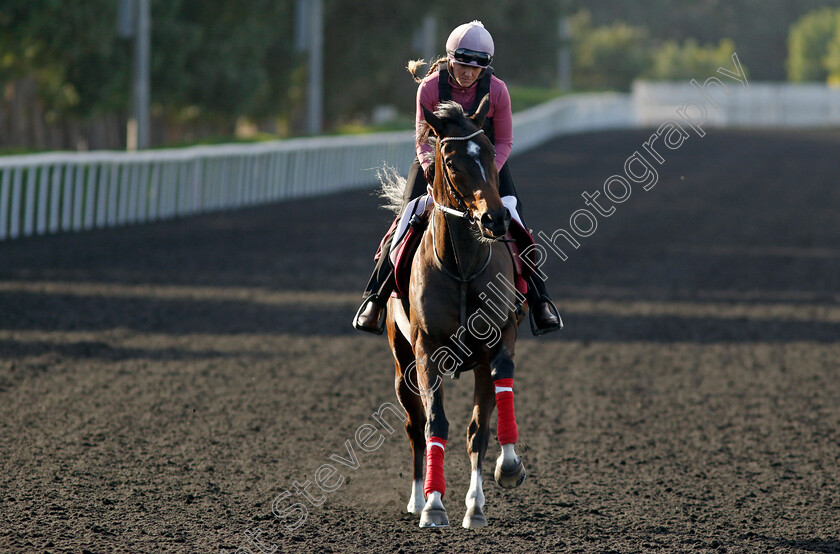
(544, 315)
(370, 315)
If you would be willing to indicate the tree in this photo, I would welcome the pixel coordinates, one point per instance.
(808, 44)
(609, 56)
(69, 49)
(760, 27)
(212, 60)
(218, 60)
(832, 57)
(675, 61)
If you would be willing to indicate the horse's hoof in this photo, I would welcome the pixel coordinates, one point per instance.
(510, 477)
(414, 507)
(417, 499)
(434, 517)
(474, 518)
(434, 514)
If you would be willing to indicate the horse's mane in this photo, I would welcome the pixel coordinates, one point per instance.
(449, 112)
(392, 184)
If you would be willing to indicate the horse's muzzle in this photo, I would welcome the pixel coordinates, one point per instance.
(495, 224)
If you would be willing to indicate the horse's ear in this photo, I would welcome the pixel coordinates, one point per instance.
(433, 120)
(481, 112)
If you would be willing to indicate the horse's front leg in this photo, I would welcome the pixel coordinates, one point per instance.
(437, 432)
(406, 386)
(478, 434)
(510, 471)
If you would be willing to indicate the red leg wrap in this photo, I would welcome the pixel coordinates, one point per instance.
(434, 466)
(507, 431)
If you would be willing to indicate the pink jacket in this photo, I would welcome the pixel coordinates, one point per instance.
(427, 95)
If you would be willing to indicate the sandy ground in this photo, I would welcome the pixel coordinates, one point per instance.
(161, 385)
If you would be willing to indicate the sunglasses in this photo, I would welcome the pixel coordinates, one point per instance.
(463, 55)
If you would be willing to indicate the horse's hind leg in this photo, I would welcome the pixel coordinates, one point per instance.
(415, 425)
(415, 421)
(510, 471)
(478, 434)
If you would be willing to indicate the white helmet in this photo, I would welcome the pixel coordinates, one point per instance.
(470, 44)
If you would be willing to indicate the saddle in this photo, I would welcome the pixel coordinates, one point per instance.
(517, 240)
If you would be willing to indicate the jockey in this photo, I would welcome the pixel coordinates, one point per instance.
(465, 76)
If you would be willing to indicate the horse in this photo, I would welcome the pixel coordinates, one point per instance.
(448, 323)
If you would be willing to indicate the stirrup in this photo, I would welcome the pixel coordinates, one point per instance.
(537, 331)
(379, 329)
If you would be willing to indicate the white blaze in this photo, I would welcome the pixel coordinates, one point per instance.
(474, 150)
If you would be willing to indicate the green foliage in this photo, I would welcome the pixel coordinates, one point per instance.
(809, 42)
(222, 59)
(215, 61)
(674, 61)
(522, 98)
(612, 56)
(73, 56)
(832, 57)
(759, 27)
(607, 57)
(210, 58)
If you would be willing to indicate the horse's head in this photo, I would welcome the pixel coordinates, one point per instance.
(466, 178)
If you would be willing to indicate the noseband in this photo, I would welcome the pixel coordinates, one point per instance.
(466, 213)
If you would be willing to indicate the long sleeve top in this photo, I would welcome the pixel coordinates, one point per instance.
(500, 111)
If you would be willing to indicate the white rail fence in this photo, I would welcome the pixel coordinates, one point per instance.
(571, 114)
(48, 193)
(54, 192)
(775, 105)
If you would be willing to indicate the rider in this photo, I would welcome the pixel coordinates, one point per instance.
(465, 76)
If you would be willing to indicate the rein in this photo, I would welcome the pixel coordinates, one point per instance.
(462, 281)
(465, 214)
(458, 278)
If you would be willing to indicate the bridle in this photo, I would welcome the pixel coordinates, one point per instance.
(459, 198)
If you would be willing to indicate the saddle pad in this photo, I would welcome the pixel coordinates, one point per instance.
(391, 229)
(402, 255)
(523, 242)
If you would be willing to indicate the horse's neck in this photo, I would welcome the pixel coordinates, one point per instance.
(456, 245)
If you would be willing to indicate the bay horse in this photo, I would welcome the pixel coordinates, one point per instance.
(448, 323)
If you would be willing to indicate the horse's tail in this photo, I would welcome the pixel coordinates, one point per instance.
(414, 65)
(392, 185)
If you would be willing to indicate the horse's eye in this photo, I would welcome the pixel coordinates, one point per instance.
(451, 165)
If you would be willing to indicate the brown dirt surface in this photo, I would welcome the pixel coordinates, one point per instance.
(161, 385)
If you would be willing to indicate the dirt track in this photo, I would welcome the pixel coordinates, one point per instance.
(161, 385)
